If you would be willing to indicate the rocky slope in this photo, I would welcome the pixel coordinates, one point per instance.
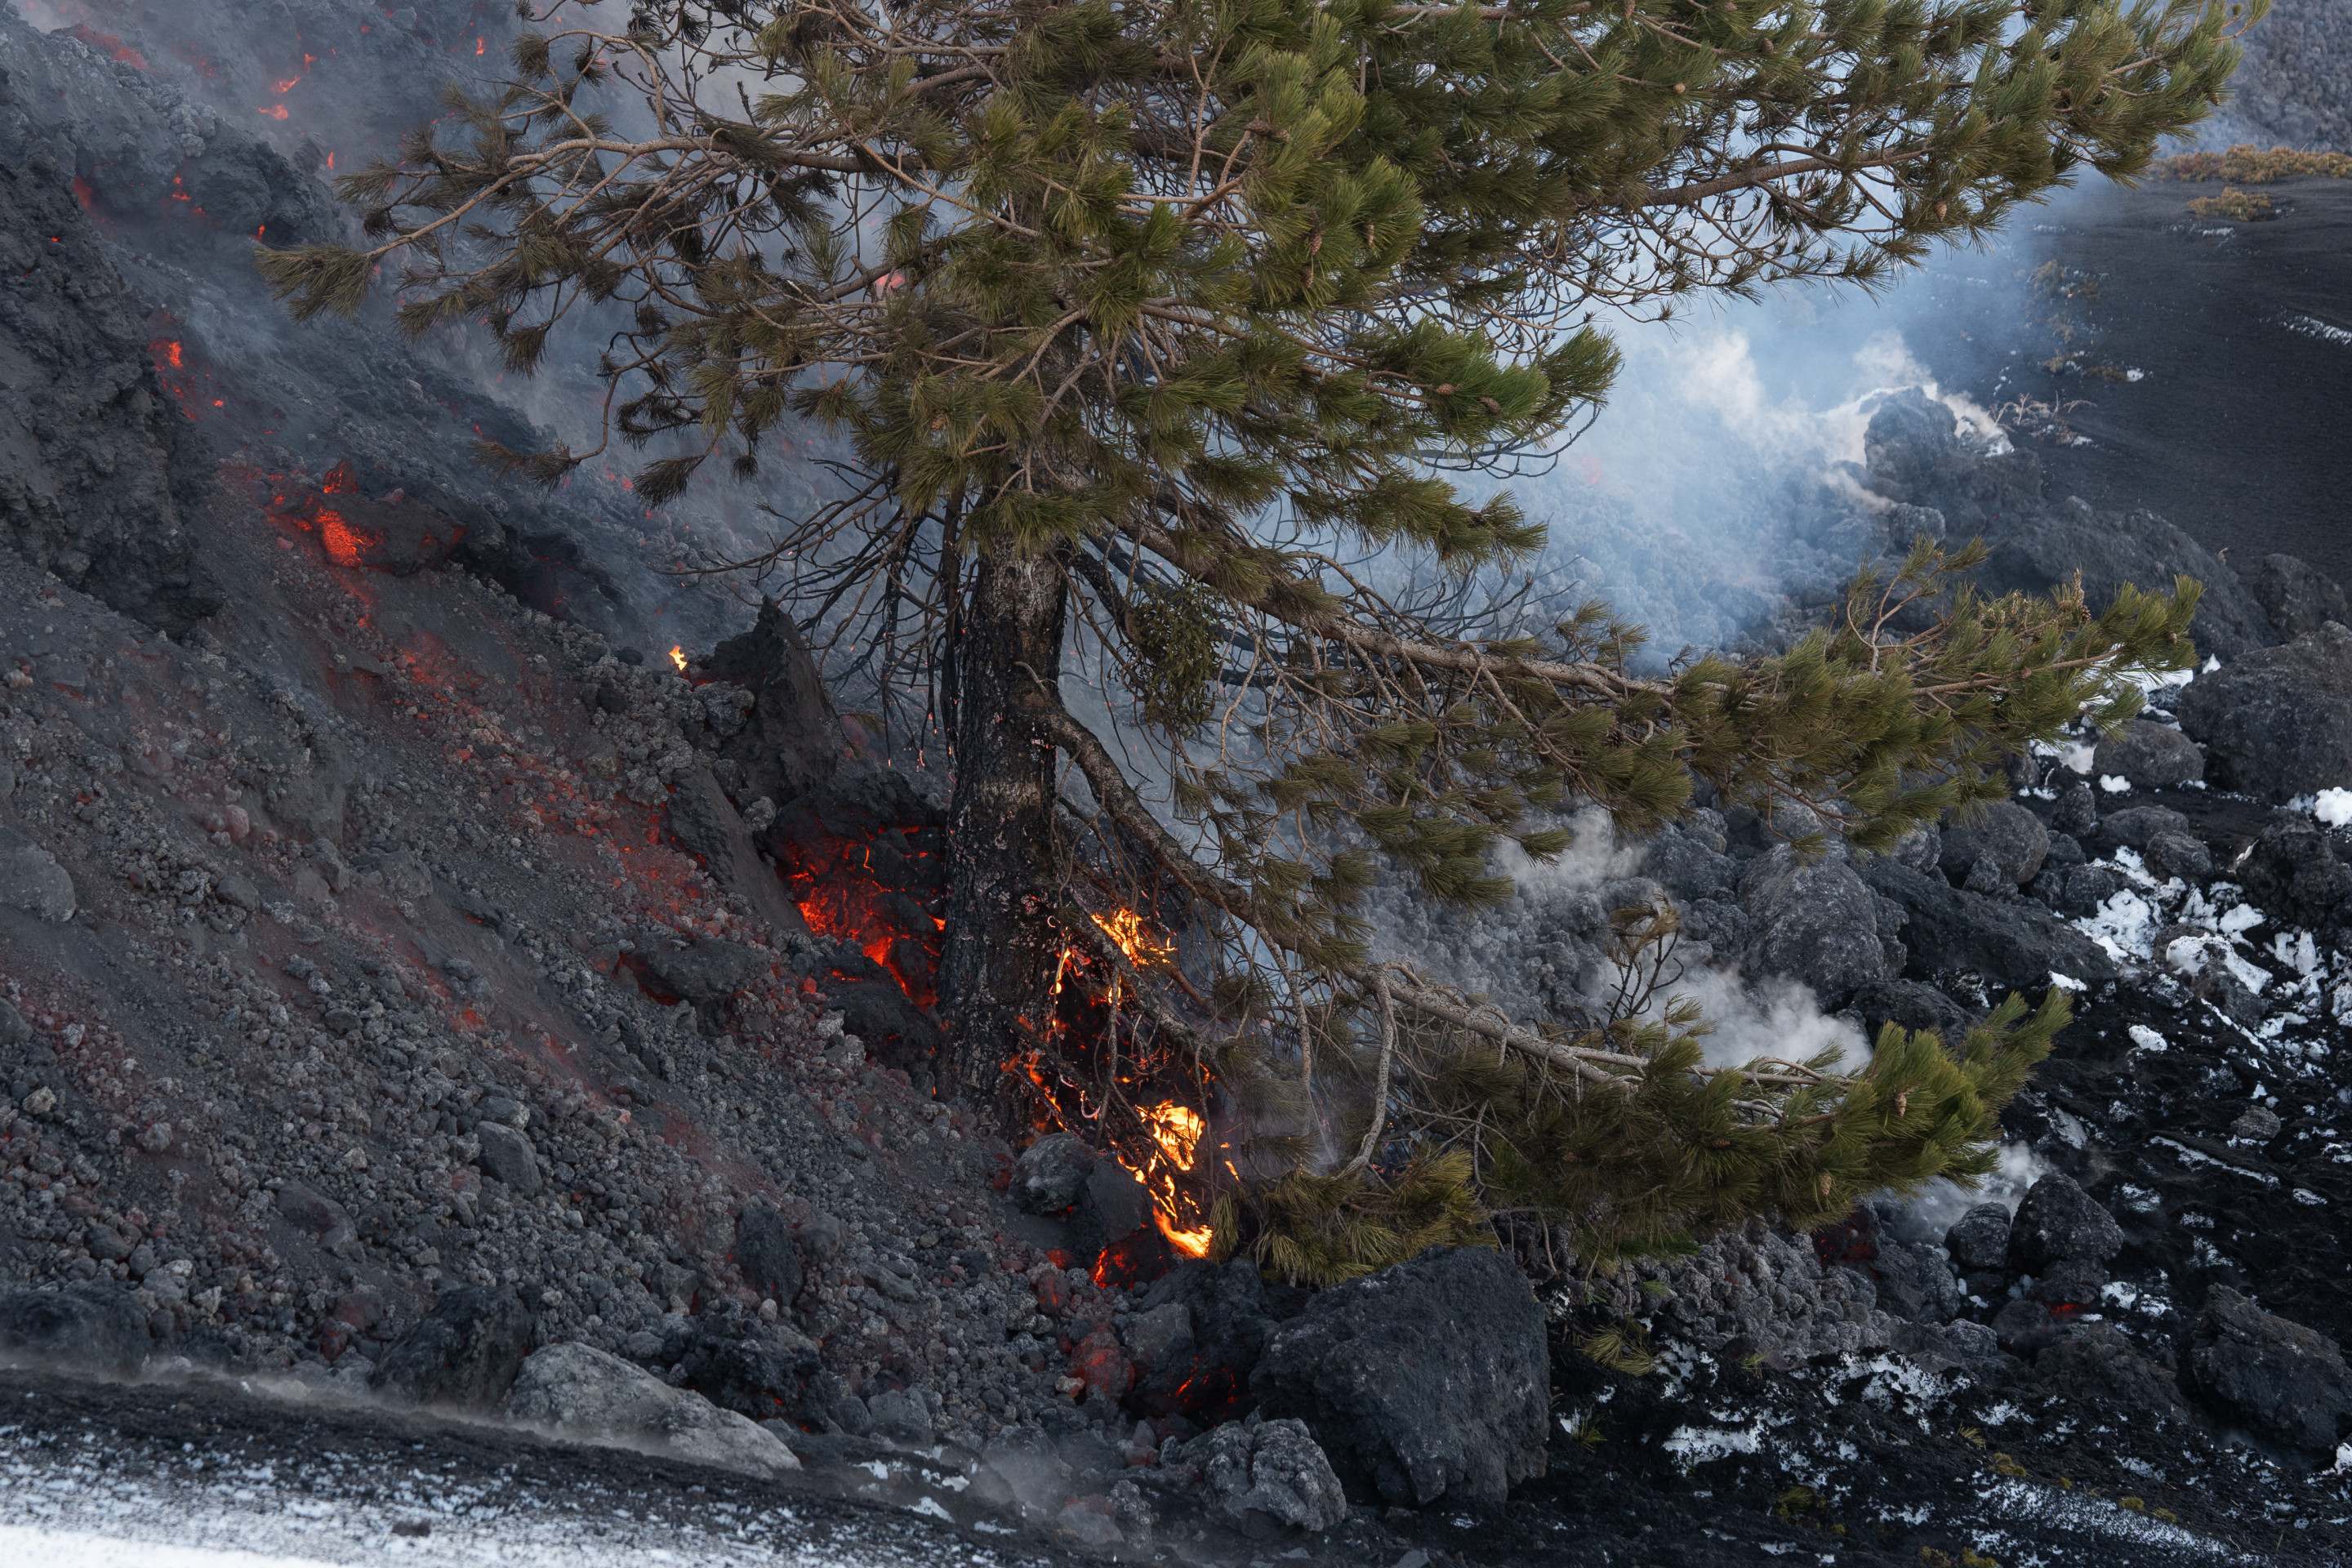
(412, 993)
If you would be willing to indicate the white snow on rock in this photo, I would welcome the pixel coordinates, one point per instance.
(2334, 807)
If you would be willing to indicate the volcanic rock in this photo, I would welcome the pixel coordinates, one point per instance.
(2135, 826)
(707, 971)
(2007, 943)
(792, 740)
(2059, 1221)
(100, 1327)
(508, 1155)
(1225, 1323)
(2283, 1379)
(585, 1394)
(2153, 756)
(1052, 1173)
(2294, 873)
(900, 1416)
(1979, 1239)
(464, 1352)
(32, 880)
(1815, 923)
(1263, 1476)
(761, 1368)
(2278, 722)
(1112, 1206)
(322, 1216)
(2298, 598)
(1428, 1380)
(767, 1253)
(1912, 1005)
(2095, 1364)
(2178, 854)
(2008, 834)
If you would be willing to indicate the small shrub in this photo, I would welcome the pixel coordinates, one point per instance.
(2247, 165)
(2237, 206)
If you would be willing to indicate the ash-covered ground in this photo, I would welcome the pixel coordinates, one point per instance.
(417, 993)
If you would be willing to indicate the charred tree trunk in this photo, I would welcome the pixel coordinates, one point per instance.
(1003, 854)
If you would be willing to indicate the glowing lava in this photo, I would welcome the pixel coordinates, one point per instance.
(678, 658)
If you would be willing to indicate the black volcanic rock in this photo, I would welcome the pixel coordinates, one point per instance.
(793, 741)
(2298, 596)
(2007, 943)
(1979, 1239)
(2294, 873)
(1052, 1173)
(2278, 722)
(465, 1353)
(2281, 1379)
(2059, 1222)
(1428, 1380)
(767, 1253)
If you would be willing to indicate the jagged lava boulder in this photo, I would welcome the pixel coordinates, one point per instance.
(2278, 723)
(1428, 1380)
(1263, 1476)
(2281, 1380)
(464, 1352)
(2059, 1222)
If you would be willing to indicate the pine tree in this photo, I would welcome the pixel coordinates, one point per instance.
(1138, 325)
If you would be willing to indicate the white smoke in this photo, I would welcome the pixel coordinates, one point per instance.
(1776, 1017)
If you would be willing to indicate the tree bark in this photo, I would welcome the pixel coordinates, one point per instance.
(1001, 950)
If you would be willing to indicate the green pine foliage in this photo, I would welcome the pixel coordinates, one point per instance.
(1195, 303)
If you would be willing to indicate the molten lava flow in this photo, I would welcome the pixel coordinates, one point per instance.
(346, 545)
(678, 656)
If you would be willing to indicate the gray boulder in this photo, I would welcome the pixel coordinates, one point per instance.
(1428, 1380)
(1814, 923)
(2152, 756)
(2134, 826)
(1263, 1476)
(507, 1155)
(2059, 1222)
(2008, 834)
(2277, 723)
(464, 1352)
(32, 880)
(2280, 1379)
(2298, 598)
(586, 1394)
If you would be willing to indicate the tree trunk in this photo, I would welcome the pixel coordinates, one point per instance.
(1004, 856)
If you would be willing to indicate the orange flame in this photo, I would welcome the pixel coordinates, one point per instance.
(678, 658)
(1176, 1129)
